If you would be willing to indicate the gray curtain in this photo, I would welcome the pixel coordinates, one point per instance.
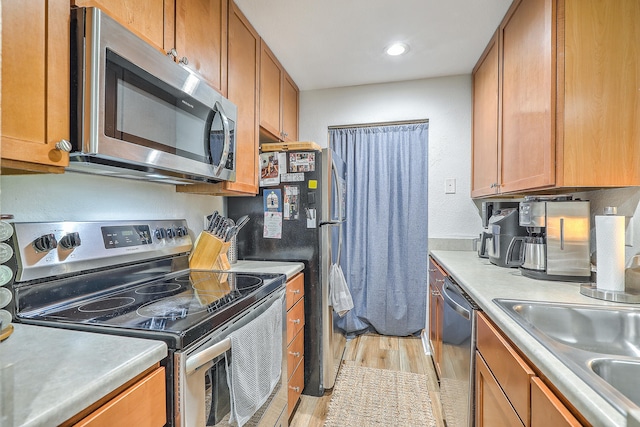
(385, 256)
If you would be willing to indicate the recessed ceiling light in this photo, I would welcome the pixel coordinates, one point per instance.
(397, 49)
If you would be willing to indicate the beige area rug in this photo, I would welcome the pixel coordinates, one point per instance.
(379, 397)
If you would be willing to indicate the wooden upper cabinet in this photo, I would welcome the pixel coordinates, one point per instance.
(278, 100)
(528, 96)
(201, 38)
(601, 101)
(35, 85)
(145, 18)
(290, 104)
(568, 98)
(271, 78)
(484, 174)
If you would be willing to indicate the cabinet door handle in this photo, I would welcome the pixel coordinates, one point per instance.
(439, 280)
(295, 353)
(295, 321)
(435, 293)
(296, 389)
(432, 270)
(295, 291)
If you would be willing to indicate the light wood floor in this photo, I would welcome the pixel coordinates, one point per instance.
(375, 351)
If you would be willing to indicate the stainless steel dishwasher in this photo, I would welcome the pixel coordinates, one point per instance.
(458, 361)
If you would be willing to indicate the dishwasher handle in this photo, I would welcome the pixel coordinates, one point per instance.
(462, 311)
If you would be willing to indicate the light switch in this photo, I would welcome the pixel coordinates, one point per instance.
(450, 186)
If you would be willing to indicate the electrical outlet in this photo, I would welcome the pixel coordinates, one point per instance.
(450, 186)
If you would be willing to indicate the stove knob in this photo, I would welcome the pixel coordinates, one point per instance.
(45, 243)
(161, 233)
(71, 241)
(171, 233)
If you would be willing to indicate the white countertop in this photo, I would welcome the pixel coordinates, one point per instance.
(278, 267)
(55, 373)
(484, 282)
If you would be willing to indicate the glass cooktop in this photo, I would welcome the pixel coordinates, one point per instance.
(177, 309)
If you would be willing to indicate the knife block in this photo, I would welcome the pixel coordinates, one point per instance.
(209, 253)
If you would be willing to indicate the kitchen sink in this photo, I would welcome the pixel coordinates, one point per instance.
(621, 374)
(599, 330)
(600, 344)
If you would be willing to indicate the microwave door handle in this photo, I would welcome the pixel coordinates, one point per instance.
(227, 139)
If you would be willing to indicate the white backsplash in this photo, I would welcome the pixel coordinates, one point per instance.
(81, 197)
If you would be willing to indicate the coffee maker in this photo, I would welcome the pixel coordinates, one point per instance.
(557, 243)
(504, 228)
(485, 241)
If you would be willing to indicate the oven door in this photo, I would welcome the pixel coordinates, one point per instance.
(202, 395)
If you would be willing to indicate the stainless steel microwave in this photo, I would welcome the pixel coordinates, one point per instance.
(137, 114)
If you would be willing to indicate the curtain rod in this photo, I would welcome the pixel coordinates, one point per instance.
(368, 125)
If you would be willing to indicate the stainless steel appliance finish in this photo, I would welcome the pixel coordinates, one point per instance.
(458, 346)
(487, 209)
(314, 239)
(503, 226)
(558, 243)
(137, 114)
(132, 278)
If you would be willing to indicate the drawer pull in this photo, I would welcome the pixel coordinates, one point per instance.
(439, 280)
(432, 270)
(296, 321)
(296, 389)
(295, 291)
(295, 353)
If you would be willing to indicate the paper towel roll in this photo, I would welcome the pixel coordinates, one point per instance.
(610, 252)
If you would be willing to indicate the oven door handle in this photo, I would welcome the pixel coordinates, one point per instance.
(207, 355)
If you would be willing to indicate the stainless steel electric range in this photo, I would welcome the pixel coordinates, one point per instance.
(132, 278)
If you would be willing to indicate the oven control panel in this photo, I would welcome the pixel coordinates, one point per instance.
(46, 249)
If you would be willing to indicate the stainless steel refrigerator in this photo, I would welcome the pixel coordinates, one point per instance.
(298, 216)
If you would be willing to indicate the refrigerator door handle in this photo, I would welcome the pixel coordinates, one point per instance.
(338, 190)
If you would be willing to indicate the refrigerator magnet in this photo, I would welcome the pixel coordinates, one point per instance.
(291, 208)
(272, 202)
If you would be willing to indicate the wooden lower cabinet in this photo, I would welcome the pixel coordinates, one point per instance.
(546, 409)
(492, 405)
(142, 404)
(295, 340)
(508, 390)
(436, 312)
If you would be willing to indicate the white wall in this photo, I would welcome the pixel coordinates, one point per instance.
(445, 102)
(74, 197)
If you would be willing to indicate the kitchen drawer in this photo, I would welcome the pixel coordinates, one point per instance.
(295, 353)
(296, 385)
(510, 370)
(493, 409)
(142, 404)
(295, 320)
(295, 289)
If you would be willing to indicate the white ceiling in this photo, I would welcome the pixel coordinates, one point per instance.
(335, 43)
